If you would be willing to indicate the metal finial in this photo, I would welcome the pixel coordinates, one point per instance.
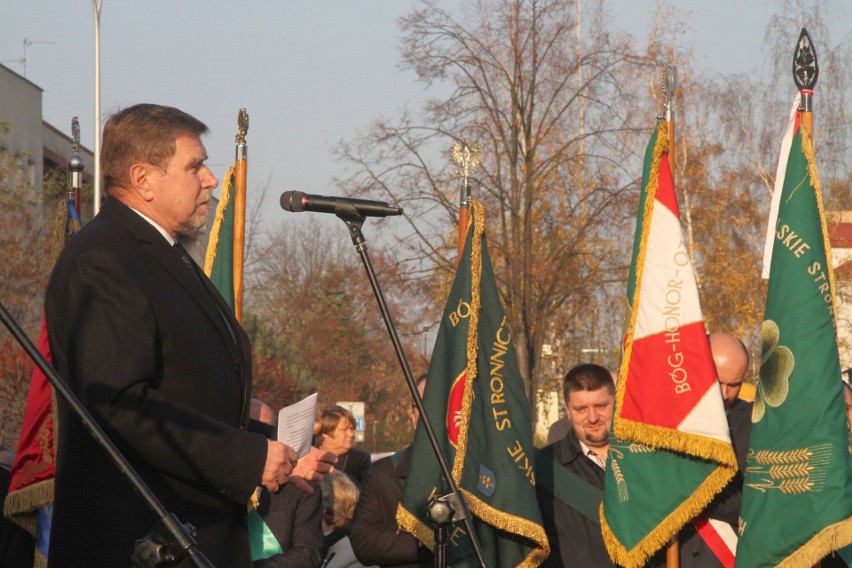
(669, 88)
(75, 135)
(805, 66)
(242, 126)
(466, 157)
(75, 162)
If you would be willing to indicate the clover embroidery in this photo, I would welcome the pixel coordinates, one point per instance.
(777, 364)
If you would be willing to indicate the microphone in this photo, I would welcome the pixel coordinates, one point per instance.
(296, 201)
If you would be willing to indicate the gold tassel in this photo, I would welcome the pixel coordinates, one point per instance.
(254, 500)
(213, 243)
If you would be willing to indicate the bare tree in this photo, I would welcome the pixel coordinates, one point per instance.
(551, 95)
(25, 242)
(315, 326)
(729, 137)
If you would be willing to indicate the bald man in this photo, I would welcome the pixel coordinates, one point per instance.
(731, 359)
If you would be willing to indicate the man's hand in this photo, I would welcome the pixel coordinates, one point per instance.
(312, 467)
(280, 461)
(316, 464)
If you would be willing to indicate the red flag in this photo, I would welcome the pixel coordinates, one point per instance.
(33, 471)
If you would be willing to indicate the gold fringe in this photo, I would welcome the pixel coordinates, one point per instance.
(40, 561)
(254, 500)
(213, 242)
(21, 506)
(513, 524)
(410, 523)
(830, 539)
(813, 175)
(477, 212)
(668, 528)
(676, 441)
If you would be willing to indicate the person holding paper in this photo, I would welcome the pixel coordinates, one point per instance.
(296, 432)
(155, 355)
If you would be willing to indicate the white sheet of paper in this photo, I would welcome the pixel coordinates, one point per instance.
(296, 424)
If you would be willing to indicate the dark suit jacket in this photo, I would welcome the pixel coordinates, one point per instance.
(355, 463)
(574, 539)
(17, 546)
(375, 534)
(295, 518)
(147, 351)
(694, 552)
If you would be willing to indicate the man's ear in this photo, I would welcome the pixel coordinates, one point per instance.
(141, 181)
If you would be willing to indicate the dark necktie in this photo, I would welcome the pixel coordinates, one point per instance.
(190, 264)
(187, 260)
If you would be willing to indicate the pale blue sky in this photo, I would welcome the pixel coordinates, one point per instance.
(309, 72)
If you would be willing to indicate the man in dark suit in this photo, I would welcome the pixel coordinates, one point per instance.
(17, 546)
(375, 534)
(710, 540)
(575, 534)
(153, 352)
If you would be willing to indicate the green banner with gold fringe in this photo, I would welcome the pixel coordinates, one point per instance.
(476, 401)
(797, 495)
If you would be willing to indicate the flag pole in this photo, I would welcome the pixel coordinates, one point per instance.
(240, 176)
(805, 74)
(669, 86)
(466, 157)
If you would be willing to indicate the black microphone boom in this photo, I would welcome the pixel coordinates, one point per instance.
(296, 201)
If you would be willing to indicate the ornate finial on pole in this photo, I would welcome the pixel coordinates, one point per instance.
(76, 165)
(466, 157)
(805, 73)
(242, 127)
(75, 135)
(805, 69)
(669, 88)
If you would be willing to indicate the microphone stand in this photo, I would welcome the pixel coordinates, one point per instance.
(155, 549)
(448, 508)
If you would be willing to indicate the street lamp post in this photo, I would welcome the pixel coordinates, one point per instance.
(96, 6)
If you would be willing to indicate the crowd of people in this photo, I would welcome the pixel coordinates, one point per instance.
(156, 356)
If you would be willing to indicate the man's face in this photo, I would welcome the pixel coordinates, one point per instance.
(341, 439)
(731, 383)
(590, 414)
(182, 192)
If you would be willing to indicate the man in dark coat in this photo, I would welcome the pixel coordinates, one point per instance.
(720, 520)
(575, 537)
(375, 534)
(17, 546)
(148, 345)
